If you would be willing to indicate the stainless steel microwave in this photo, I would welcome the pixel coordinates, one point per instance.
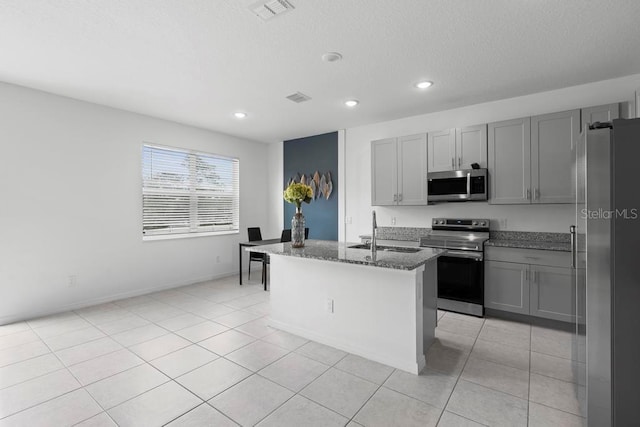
(458, 186)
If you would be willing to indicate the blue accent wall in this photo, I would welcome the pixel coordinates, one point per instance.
(306, 156)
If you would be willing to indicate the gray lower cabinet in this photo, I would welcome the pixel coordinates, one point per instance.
(516, 281)
(552, 293)
(506, 286)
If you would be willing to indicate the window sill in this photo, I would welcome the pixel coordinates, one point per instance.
(186, 235)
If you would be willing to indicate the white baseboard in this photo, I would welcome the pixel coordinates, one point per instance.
(5, 320)
(413, 367)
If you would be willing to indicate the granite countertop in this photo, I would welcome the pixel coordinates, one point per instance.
(408, 234)
(530, 240)
(341, 252)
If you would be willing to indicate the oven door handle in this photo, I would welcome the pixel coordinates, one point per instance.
(465, 254)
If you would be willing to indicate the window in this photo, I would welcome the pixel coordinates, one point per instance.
(187, 192)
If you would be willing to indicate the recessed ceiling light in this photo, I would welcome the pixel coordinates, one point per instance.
(423, 84)
(331, 57)
(351, 103)
(239, 115)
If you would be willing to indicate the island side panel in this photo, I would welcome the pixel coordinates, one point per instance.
(429, 303)
(377, 312)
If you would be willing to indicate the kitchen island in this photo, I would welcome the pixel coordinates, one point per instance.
(382, 308)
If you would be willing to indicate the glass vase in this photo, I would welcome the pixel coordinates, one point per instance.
(297, 229)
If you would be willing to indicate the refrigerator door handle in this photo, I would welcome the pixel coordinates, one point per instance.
(572, 231)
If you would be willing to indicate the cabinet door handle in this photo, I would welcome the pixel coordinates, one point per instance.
(395, 197)
(537, 193)
(400, 197)
(572, 232)
(526, 275)
(459, 162)
(453, 163)
(528, 194)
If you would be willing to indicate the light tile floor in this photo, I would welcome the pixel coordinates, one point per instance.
(205, 355)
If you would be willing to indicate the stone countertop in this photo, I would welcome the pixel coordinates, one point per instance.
(528, 244)
(530, 240)
(408, 234)
(326, 250)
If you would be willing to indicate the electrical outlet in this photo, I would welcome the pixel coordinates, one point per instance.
(393, 220)
(73, 281)
(329, 305)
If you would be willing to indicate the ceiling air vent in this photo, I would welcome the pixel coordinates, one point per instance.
(298, 97)
(269, 9)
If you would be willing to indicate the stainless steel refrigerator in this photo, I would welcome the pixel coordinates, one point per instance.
(606, 260)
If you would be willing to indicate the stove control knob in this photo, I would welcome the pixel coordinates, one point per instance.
(474, 223)
(482, 224)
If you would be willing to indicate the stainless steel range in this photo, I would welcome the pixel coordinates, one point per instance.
(461, 270)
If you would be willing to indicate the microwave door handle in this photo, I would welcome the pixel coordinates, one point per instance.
(468, 185)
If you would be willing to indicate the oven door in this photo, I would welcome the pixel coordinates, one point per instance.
(461, 279)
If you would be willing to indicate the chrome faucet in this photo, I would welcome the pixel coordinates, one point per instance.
(374, 248)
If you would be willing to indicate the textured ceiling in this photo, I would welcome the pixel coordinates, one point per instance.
(198, 61)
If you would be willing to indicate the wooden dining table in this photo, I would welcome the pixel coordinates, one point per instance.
(243, 245)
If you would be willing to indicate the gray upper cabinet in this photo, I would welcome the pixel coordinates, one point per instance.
(509, 147)
(453, 149)
(471, 146)
(442, 150)
(399, 171)
(384, 168)
(601, 113)
(552, 138)
(530, 159)
(412, 170)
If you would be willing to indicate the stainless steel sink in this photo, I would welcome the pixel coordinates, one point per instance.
(387, 248)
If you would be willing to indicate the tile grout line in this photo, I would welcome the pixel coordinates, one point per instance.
(255, 340)
(460, 374)
(81, 386)
(297, 393)
(63, 394)
(370, 397)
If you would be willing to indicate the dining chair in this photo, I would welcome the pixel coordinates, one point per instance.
(286, 234)
(255, 235)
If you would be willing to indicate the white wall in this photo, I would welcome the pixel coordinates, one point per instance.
(275, 188)
(70, 204)
(554, 218)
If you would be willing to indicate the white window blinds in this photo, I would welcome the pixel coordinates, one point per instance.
(185, 192)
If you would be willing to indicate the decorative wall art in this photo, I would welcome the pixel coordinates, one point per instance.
(320, 183)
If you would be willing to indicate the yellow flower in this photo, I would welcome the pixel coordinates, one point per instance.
(297, 193)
